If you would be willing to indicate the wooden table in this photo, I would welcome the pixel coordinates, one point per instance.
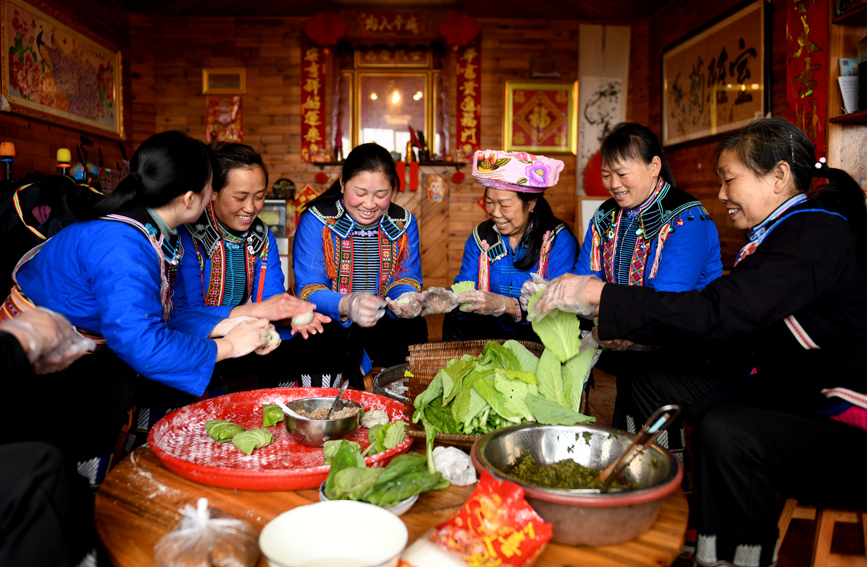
(140, 499)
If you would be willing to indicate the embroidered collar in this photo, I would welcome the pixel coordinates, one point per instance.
(208, 231)
(489, 240)
(169, 245)
(393, 223)
(660, 190)
(759, 231)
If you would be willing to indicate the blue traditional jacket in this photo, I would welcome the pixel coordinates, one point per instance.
(668, 243)
(489, 260)
(203, 277)
(111, 277)
(325, 266)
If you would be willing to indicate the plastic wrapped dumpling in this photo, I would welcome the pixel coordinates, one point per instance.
(204, 539)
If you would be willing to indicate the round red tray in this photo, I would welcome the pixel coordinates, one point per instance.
(182, 444)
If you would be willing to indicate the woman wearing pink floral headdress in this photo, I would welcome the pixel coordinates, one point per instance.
(521, 237)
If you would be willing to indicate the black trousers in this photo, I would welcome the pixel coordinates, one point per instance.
(746, 456)
(80, 410)
(46, 509)
(472, 326)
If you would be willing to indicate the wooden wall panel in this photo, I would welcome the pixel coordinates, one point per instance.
(36, 141)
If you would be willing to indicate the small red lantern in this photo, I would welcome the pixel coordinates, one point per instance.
(321, 177)
(458, 176)
(458, 28)
(593, 176)
(325, 28)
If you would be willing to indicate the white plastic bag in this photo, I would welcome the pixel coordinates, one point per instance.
(204, 540)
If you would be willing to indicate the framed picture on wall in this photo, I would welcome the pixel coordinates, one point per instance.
(54, 71)
(540, 117)
(717, 79)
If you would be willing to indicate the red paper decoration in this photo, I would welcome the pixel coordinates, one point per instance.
(593, 176)
(458, 176)
(325, 28)
(321, 177)
(458, 28)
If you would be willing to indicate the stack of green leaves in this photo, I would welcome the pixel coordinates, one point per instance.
(507, 384)
(350, 479)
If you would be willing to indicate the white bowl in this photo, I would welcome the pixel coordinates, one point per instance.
(400, 508)
(334, 533)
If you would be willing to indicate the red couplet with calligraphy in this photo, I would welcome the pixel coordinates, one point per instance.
(807, 68)
(469, 101)
(313, 108)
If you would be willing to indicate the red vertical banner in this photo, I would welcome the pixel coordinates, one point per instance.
(313, 108)
(807, 68)
(469, 101)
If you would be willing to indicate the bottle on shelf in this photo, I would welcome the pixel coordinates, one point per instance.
(64, 159)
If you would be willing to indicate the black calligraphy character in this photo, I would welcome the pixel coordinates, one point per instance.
(716, 80)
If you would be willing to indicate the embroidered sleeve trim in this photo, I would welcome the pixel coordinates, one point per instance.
(415, 284)
(309, 289)
(800, 334)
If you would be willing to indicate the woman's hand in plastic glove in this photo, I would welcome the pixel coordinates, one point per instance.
(437, 300)
(223, 327)
(407, 306)
(365, 309)
(483, 302)
(530, 287)
(575, 294)
(312, 328)
(275, 308)
(613, 344)
(246, 337)
(47, 338)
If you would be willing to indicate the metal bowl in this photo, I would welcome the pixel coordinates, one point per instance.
(315, 432)
(583, 516)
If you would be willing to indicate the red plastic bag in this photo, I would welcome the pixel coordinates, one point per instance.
(495, 527)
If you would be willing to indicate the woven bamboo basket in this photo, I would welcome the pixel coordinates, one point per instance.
(425, 360)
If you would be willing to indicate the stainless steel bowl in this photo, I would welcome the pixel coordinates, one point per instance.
(582, 516)
(315, 432)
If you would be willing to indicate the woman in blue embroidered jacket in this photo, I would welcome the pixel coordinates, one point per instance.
(522, 237)
(353, 249)
(652, 234)
(232, 269)
(112, 279)
(797, 297)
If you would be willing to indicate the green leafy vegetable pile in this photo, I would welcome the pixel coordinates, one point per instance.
(350, 479)
(507, 384)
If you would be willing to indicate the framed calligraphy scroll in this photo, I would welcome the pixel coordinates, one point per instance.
(717, 79)
(540, 117)
(55, 72)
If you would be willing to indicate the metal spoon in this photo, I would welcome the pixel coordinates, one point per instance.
(340, 393)
(654, 425)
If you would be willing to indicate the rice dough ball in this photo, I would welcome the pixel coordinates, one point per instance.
(303, 319)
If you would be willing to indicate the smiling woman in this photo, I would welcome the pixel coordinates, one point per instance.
(354, 249)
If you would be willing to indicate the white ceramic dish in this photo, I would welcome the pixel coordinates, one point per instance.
(334, 533)
(399, 509)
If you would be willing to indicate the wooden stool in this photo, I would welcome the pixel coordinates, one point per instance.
(825, 520)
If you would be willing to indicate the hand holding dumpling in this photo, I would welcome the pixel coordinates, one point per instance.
(407, 306)
(47, 338)
(247, 336)
(365, 309)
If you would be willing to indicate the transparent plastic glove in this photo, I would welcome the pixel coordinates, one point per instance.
(247, 336)
(483, 302)
(437, 300)
(566, 293)
(274, 341)
(48, 339)
(530, 287)
(407, 306)
(206, 538)
(223, 327)
(365, 309)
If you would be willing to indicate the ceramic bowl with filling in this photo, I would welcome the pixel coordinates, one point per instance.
(337, 533)
(310, 430)
(583, 516)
